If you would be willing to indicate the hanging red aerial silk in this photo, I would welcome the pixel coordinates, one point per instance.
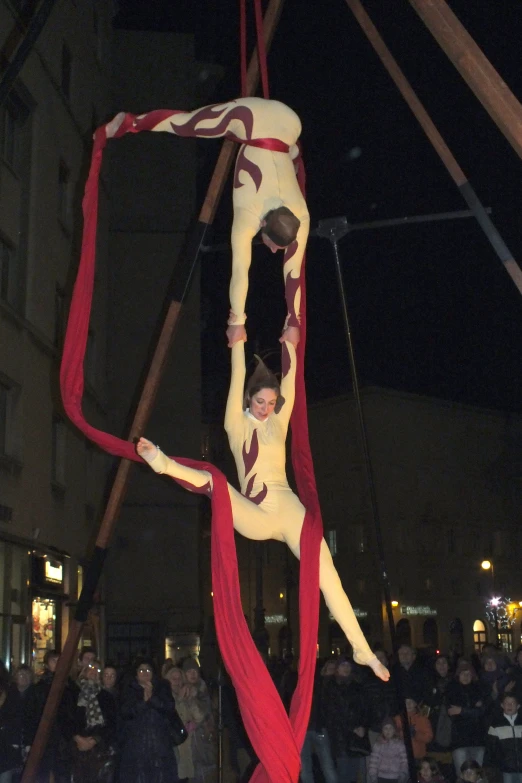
(276, 739)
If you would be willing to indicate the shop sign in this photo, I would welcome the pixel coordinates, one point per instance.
(275, 619)
(416, 611)
(53, 572)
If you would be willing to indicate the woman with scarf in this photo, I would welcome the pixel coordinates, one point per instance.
(90, 727)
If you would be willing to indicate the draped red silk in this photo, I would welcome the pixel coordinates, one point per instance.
(276, 738)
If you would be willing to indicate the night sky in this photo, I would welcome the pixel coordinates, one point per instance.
(432, 309)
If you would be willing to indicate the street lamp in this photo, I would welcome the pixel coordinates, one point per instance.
(487, 565)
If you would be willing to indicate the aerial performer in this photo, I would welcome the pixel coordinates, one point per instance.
(256, 422)
(266, 194)
(267, 198)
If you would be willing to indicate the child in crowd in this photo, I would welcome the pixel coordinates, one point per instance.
(387, 762)
(420, 727)
(471, 772)
(504, 740)
(429, 771)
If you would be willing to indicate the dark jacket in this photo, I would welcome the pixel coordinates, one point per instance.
(380, 701)
(10, 730)
(146, 732)
(504, 744)
(343, 712)
(415, 682)
(436, 699)
(467, 728)
(74, 718)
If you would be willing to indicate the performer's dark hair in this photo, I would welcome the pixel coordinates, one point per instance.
(281, 226)
(263, 378)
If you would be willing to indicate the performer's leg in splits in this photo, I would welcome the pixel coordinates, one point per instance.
(281, 521)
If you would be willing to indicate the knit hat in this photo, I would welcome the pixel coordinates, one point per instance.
(190, 663)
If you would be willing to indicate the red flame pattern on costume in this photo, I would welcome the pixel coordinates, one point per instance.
(250, 456)
(258, 499)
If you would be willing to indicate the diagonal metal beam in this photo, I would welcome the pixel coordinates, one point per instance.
(440, 146)
(178, 290)
(474, 67)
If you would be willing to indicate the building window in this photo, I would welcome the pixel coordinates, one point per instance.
(64, 197)
(480, 637)
(66, 70)
(9, 396)
(58, 451)
(332, 541)
(430, 633)
(403, 632)
(360, 539)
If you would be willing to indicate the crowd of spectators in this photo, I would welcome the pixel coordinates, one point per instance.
(445, 720)
(436, 721)
(110, 726)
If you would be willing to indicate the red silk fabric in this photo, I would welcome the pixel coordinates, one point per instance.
(276, 738)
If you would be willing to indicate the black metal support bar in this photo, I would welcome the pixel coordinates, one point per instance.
(36, 26)
(334, 230)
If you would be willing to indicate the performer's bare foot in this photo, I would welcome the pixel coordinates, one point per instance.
(292, 335)
(113, 126)
(147, 450)
(235, 334)
(379, 669)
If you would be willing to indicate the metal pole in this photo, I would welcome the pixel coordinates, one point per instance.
(334, 231)
(474, 67)
(440, 146)
(34, 29)
(178, 290)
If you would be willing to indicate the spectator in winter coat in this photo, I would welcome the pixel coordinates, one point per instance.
(316, 739)
(380, 700)
(54, 759)
(514, 684)
(10, 710)
(89, 725)
(436, 700)
(388, 762)
(466, 708)
(147, 713)
(504, 740)
(203, 739)
(420, 727)
(411, 674)
(190, 713)
(345, 721)
(492, 678)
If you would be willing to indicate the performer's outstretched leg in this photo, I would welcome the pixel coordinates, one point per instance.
(336, 599)
(248, 519)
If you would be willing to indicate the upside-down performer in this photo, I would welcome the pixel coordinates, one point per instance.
(267, 508)
(266, 193)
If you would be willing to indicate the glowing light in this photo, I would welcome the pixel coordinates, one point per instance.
(395, 604)
(486, 565)
(495, 601)
(281, 595)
